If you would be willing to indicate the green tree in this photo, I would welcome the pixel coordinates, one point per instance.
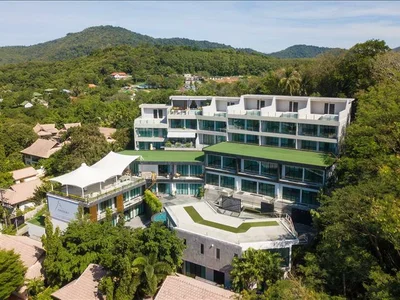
(12, 273)
(289, 81)
(153, 203)
(151, 272)
(255, 269)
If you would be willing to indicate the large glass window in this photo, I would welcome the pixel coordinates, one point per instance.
(220, 126)
(236, 137)
(288, 143)
(291, 194)
(182, 189)
(308, 129)
(220, 138)
(208, 139)
(272, 141)
(236, 123)
(328, 131)
(194, 189)
(309, 145)
(144, 132)
(284, 253)
(206, 125)
(249, 186)
(191, 124)
(251, 166)
(253, 125)
(314, 176)
(293, 173)
(270, 126)
(212, 179)
(252, 139)
(309, 197)
(288, 128)
(163, 170)
(228, 182)
(327, 147)
(106, 204)
(266, 189)
(183, 170)
(214, 161)
(269, 169)
(229, 163)
(196, 170)
(176, 123)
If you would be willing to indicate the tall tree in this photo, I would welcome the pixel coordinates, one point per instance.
(12, 273)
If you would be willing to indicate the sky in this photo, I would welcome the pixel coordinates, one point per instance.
(266, 26)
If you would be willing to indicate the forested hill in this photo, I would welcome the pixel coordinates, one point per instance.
(83, 43)
(396, 49)
(301, 51)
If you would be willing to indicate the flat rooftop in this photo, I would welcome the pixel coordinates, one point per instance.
(272, 153)
(233, 230)
(167, 156)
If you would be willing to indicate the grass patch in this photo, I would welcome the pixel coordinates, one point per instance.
(37, 220)
(167, 156)
(197, 218)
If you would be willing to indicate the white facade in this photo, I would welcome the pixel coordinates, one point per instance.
(308, 123)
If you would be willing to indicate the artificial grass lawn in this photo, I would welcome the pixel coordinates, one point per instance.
(197, 218)
(167, 156)
(273, 153)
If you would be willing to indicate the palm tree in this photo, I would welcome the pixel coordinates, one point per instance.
(289, 81)
(151, 272)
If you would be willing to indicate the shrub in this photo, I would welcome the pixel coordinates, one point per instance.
(152, 202)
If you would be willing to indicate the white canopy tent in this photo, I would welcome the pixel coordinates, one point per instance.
(112, 165)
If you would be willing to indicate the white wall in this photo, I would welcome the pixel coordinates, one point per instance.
(62, 209)
(148, 168)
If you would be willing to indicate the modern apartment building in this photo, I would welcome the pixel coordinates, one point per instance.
(108, 184)
(305, 123)
(213, 239)
(170, 172)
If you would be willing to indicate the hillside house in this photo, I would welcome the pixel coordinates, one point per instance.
(40, 149)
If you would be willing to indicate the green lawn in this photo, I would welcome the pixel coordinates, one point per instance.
(167, 156)
(272, 153)
(38, 220)
(197, 218)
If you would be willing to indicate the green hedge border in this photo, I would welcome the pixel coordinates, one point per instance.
(197, 218)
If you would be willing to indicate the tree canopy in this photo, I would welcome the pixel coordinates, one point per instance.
(12, 273)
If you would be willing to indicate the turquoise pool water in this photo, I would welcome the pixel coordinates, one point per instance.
(160, 217)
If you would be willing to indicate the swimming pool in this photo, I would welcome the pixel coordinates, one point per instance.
(160, 217)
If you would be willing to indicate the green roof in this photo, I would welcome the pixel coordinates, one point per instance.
(167, 156)
(272, 153)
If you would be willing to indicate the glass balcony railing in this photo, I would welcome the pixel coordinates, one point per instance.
(290, 115)
(329, 118)
(222, 114)
(253, 112)
(185, 112)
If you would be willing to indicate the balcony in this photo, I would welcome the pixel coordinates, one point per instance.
(253, 112)
(149, 123)
(185, 112)
(123, 183)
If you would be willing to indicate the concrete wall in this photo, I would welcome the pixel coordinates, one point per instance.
(35, 231)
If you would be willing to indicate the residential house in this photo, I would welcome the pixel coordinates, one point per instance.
(26, 104)
(70, 125)
(25, 174)
(46, 130)
(31, 253)
(40, 149)
(86, 287)
(119, 75)
(108, 133)
(19, 195)
(214, 236)
(178, 286)
(92, 86)
(108, 184)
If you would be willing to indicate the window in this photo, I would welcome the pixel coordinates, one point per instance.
(284, 253)
(144, 132)
(291, 194)
(206, 125)
(182, 189)
(252, 125)
(214, 161)
(228, 182)
(229, 163)
(327, 131)
(155, 115)
(270, 126)
(269, 169)
(202, 248)
(160, 113)
(272, 141)
(183, 170)
(208, 139)
(236, 137)
(196, 170)
(249, 186)
(176, 123)
(288, 128)
(260, 104)
(218, 253)
(105, 204)
(308, 129)
(288, 143)
(329, 109)
(212, 179)
(309, 145)
(251, 166)
(252, 139)
(220, 138)
(314, 176)
(309, 197)
(293, 173)
(236, 123)
(220, 126)
(293, 106)
(191, 124)
(266, 189)
(327, 147)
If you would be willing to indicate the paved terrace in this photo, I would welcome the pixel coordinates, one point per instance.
(267, 229)
(272, 153)
(167, 156)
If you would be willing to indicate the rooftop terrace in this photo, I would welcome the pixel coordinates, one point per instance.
(167, 156)
(272, 153)
(199, 218)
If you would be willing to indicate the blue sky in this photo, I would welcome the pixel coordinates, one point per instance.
(264, 26)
